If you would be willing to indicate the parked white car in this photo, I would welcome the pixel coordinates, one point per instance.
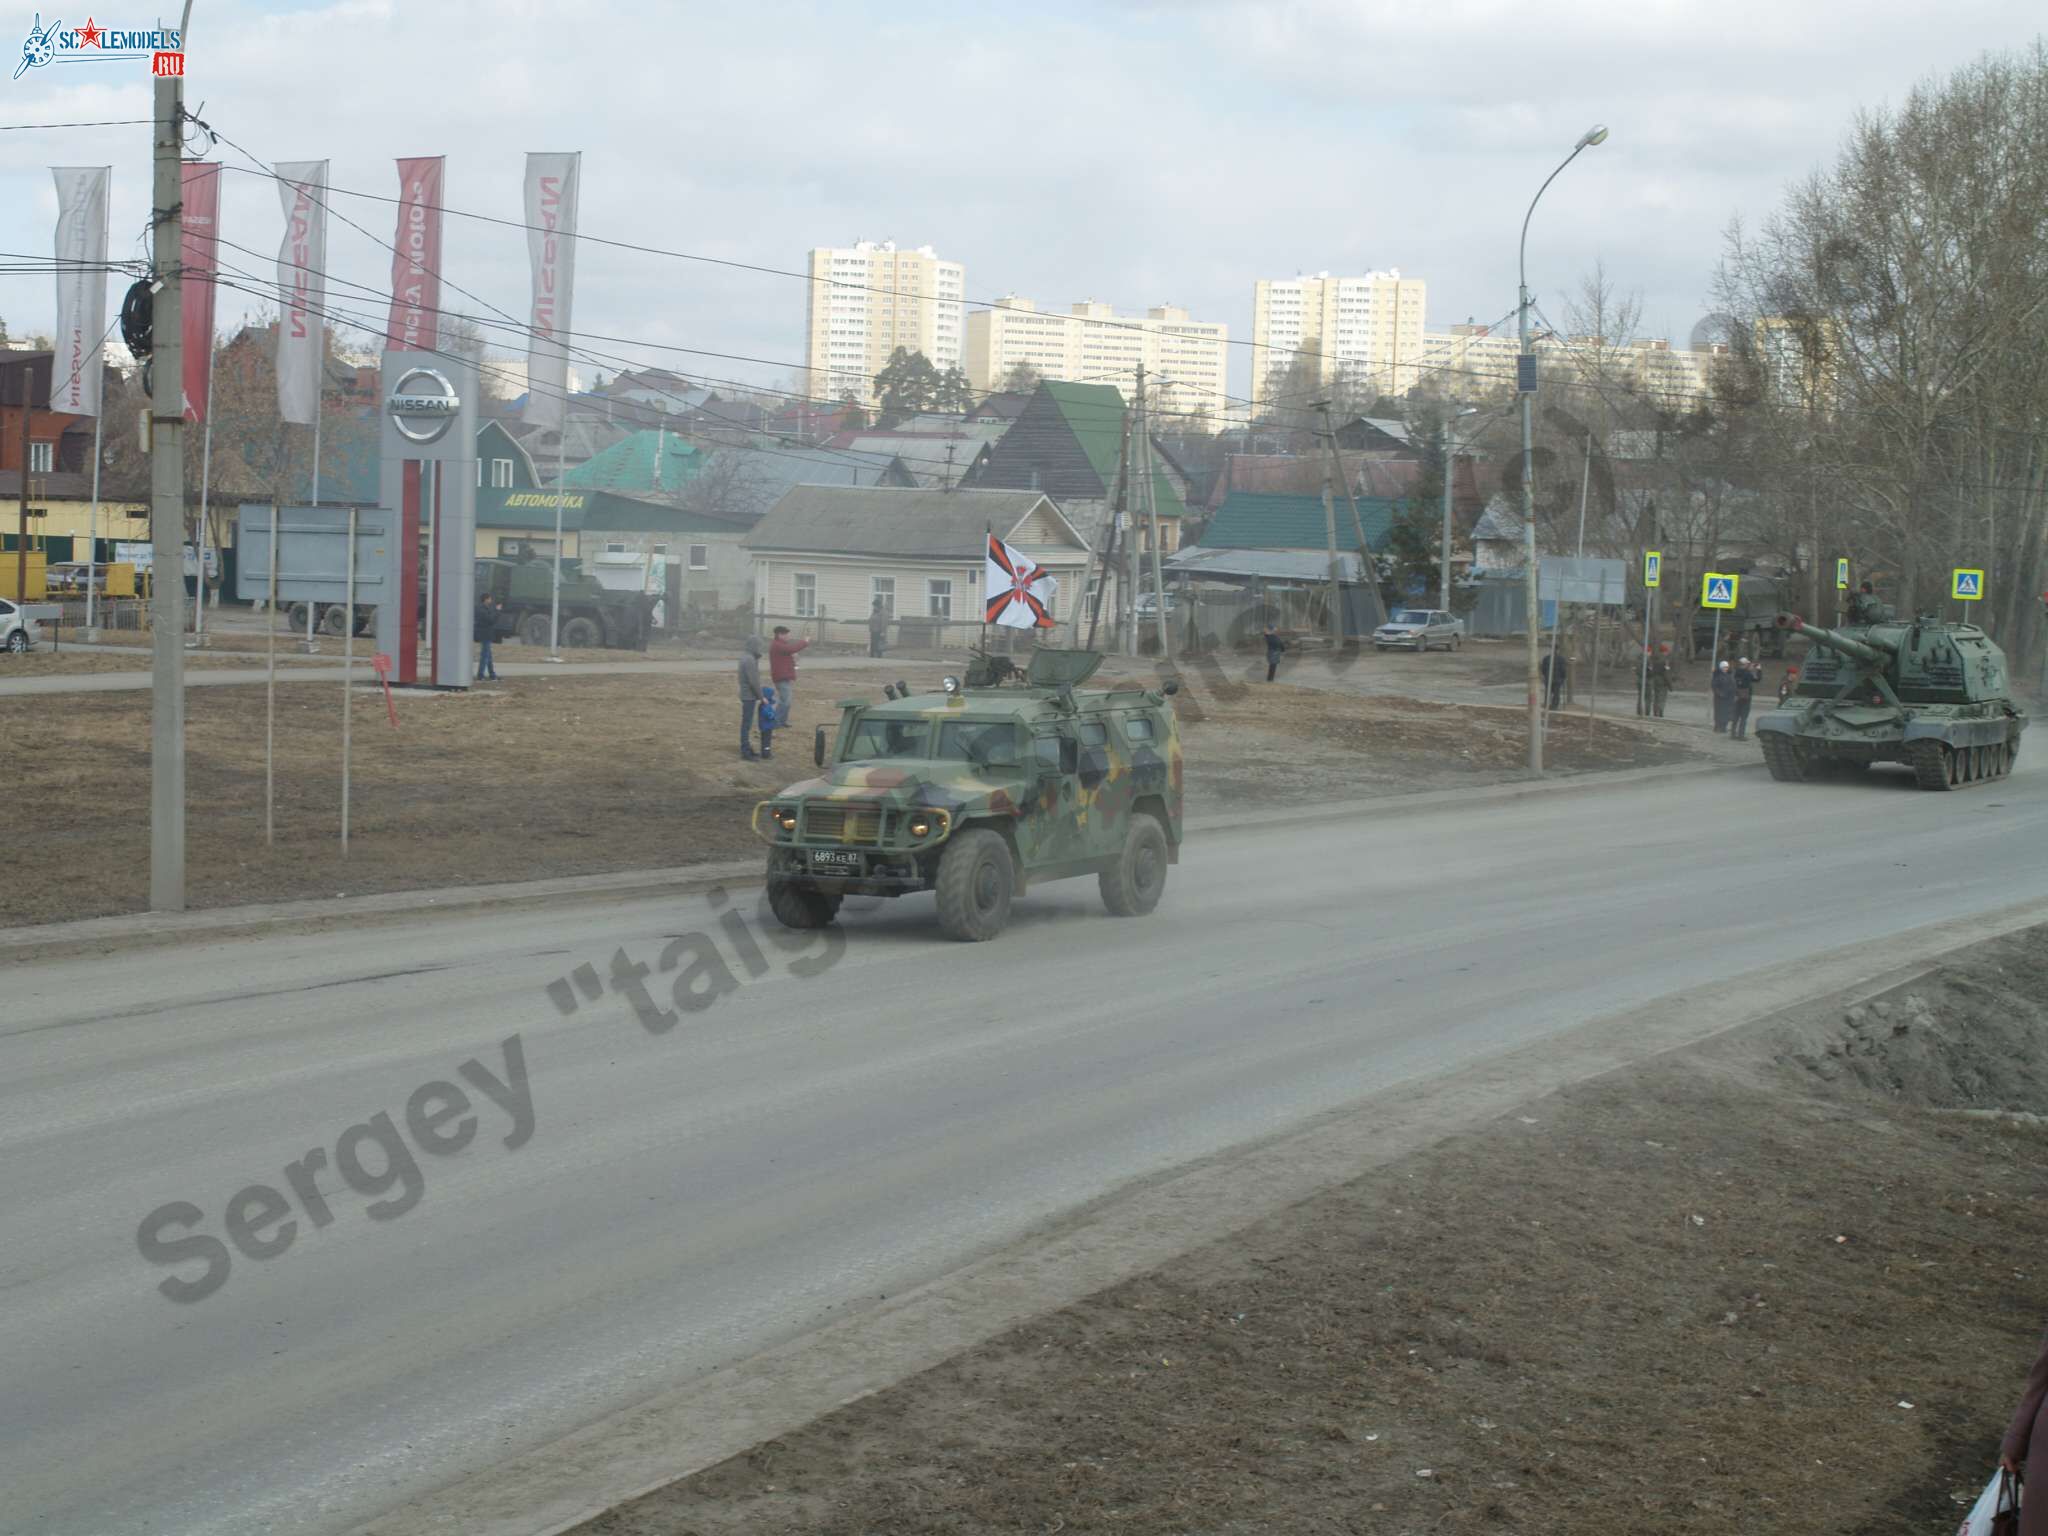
(18, 631)
(1420, 629)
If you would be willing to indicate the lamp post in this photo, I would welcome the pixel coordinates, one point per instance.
(1525, 386)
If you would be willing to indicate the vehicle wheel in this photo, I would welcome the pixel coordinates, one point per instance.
(18, 641)
(296, 615)
(1457, 642)
(1133, 887)
(533, 630)
(796, 905)
(582, 633)
(974, 885)
(334, 622)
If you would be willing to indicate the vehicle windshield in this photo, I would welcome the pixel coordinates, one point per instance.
(874, 738)
(978, 741)
(1412, 616)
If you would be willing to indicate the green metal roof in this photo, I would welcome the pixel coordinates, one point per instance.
(1094, 413)
(641, 464)
(1247, 520)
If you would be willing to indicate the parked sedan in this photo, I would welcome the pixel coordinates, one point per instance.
(1420, 629)
(18, 631)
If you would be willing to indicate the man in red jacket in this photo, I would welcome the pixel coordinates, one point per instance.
(782, 671)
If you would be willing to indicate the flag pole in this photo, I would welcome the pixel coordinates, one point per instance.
(988, 543)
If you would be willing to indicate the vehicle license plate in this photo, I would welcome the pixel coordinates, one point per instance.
(835, 861)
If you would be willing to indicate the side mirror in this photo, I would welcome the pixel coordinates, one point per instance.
(1070, 755)
(818, 747)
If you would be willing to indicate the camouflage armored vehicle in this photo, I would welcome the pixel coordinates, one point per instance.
(1933, 696)
(980, 791)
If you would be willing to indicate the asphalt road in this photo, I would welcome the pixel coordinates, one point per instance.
(837, 1128)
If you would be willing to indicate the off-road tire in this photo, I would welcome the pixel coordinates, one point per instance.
(334, 622)
(533, 630)
(582, 633)
(295, 616)
(975, 882)
(796, 905)
(1133, 885)
(1782, 756)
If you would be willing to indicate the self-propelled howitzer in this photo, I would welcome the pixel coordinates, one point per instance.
(1931, 695)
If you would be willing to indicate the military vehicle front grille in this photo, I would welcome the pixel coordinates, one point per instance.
(843, 824)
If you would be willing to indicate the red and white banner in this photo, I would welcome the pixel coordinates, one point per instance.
(81, 288)
(552, 183)
(301, 288)
(415, 323)
(201, 251)
(1020, 591)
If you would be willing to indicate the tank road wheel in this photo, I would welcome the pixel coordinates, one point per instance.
(974, 885)
(1132, 887)
(533, 630)
(1932, 763)
(582, 633)
(1783, 757)
(797, 905)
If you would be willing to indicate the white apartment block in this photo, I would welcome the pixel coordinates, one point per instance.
(1366, 330)
(870, 298)
(1185, 360)
(1474, 361)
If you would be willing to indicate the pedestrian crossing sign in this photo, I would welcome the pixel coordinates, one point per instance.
(1842, 574)
(1718, 591)
(1653, 567)
(1969, 586)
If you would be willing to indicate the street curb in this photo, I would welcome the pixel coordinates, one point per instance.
(108, 935)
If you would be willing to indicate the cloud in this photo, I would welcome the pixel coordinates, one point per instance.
(1134, 153)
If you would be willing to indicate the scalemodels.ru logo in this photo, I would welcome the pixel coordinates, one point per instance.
(92, 43)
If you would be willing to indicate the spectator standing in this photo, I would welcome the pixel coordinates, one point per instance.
(1274, 647)
(878, 629)
(782, 671)
(1724, 696)
(1746, 678)
(1660, 682)
(1555, 670)
(485, 631)
(751, 696)
(2028, 1429)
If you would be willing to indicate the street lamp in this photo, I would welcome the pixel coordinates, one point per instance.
(1525, 386)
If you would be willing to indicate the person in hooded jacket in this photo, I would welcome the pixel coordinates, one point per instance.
(750, 697)
(1724, 695)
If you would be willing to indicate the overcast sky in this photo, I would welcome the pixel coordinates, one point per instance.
(1134, 153)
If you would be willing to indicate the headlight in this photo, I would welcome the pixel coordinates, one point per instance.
(785, 818)
(920, 826)
(951, 684)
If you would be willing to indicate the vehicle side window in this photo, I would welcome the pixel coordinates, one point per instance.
(1093, 733)
(1047, 750)
(1137, 727)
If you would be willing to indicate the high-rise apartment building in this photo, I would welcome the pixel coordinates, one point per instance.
(1366, 331)
(870, 298)
(1184, 359)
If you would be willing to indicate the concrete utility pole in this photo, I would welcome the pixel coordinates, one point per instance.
(1365, 567)
(1443, 585)
(1149, 492)
(167, 506)
(1330, 539)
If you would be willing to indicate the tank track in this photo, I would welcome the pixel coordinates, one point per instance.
(1937, 766)
(1783, 757)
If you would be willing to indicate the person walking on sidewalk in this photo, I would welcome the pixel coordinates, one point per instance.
(1274, 646)
(1660, 683)
(782, 671)
(878, 629)
(1724, 696)
(485, 630)
(2029, 1429)
(751, 696)
(1746, 677)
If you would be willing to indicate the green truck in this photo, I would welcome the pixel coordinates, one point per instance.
(591, 613)
(978, 792)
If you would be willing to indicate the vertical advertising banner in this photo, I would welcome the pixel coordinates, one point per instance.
(76, 373)
(415, 323)
(551, 188)
(201, 248)
(301, 288)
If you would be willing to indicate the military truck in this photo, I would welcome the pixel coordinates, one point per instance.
(980, 791)
(1750, 628)
(1931, 695)
(591, 613)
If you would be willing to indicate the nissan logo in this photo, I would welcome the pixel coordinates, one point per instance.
(423, 417)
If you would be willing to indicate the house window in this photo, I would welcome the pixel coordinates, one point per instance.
(700, 557)
(659, 549)
(883, 589)
(806, 595)
(615, 549)
(40, 457)
(510, 548)
(938, 597)
(501, 474)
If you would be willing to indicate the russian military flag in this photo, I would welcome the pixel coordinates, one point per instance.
(1020, 592)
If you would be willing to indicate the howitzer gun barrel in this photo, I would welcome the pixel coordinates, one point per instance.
(1872, 653)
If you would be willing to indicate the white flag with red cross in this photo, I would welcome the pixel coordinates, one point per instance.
(1020, 591)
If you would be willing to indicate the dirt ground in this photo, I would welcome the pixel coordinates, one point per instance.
(72, 663)
(546, 777)
(1790, 1281)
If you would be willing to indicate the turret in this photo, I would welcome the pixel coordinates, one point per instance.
(1871, 652)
